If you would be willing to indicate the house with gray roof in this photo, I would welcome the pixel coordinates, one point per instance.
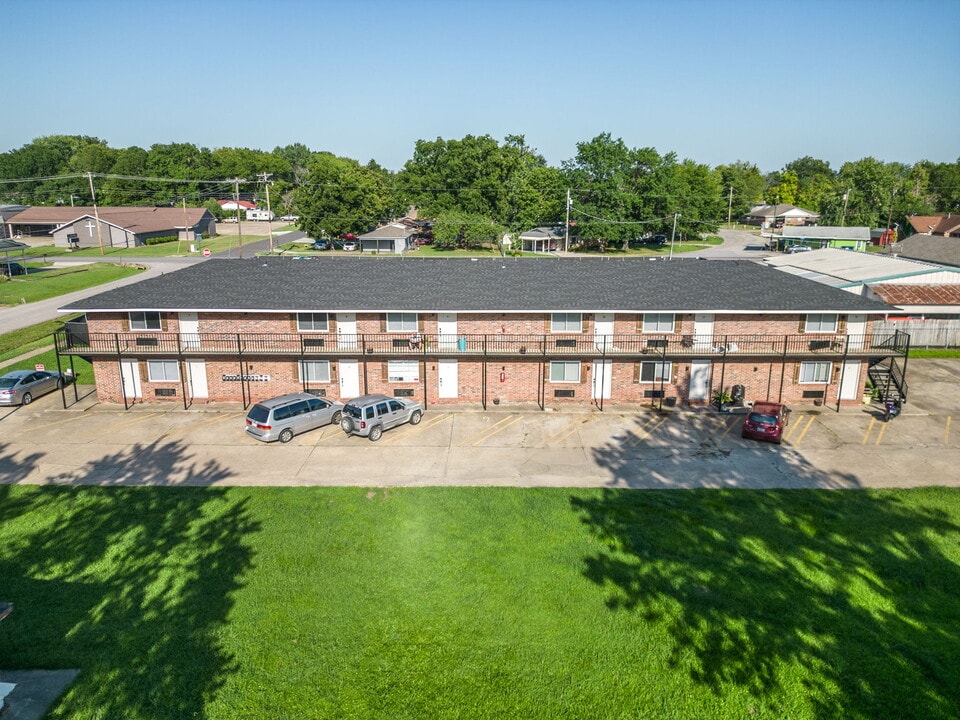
(824, 236)
(481, 330)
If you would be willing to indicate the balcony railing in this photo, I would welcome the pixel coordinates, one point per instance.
(146, 343)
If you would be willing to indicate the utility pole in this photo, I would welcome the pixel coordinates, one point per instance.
(566, 228)
(730, 205)
(96, 212)
(264, 178)
(236, 199)
(846, 196)
(674, 233)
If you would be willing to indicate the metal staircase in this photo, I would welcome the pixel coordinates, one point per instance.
(889, 374)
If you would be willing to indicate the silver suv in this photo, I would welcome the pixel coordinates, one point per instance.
(281, 418)
(370, 415)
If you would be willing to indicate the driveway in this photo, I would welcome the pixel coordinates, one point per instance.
(636, 447)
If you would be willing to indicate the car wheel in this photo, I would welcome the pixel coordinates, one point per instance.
(376, 432)
(337, 416)
(286, 435)
(416, 417)
(27, 399)
(346, 424)
(59, 383)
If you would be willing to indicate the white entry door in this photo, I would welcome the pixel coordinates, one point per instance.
(602, 381)
(447, 333)
(851, 387)
(189, 330)
(197, 377)
(856, 328)
(447, 378)
(603, 331)
(130, 370)
(349, 379)
(347, 332)
(703, 330)
(699, 380)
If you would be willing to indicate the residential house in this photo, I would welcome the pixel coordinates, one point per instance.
(943, 225)
(928, 248)
(395, 237)
(780, 214)
(543, 239)
(824, 236)
(117, 226)
(518, 330)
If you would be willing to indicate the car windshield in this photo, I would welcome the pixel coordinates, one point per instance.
(8, 382)
(259, 413)
(761, 419)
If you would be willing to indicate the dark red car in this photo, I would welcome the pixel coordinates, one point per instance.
(766, 421)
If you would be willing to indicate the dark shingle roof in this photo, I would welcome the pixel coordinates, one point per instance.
(480, 285)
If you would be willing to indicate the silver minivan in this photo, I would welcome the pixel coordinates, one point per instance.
(281, 418)
(370, 415)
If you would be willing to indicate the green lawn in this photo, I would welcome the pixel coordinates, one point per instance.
(43, 284)
(227, 603)
(216, 244)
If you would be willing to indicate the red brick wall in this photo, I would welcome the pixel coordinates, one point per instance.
(522, 378)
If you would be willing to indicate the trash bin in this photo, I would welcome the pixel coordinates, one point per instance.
(461, 344)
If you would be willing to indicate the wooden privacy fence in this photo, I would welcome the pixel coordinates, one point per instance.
(932, 332)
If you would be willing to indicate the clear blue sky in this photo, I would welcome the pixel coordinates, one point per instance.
(713, 80)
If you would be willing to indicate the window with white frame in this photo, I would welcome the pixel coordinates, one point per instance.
(565, 371)
(815, 372)
(401, 322)
(566, 322)
(163, 370)
(821, 323)
(145, 321)
(313, 322)
(315, 371)
(403, 371)
(658, 322)
(654, 372)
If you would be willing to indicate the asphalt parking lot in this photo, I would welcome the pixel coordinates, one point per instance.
(94, 443)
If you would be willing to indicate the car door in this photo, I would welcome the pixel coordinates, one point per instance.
(319, 413)
(384, 415)
(398, 412)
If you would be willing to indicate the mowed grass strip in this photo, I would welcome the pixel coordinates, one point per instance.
(483, 602)
(44, 284)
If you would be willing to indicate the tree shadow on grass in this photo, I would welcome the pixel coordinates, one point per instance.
(132, 585)
(852, 594)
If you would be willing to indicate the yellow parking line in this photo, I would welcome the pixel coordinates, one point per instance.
(804, 432)
(946, 431)
(567, 430)
(866, 435)
(631, 437)
(408, 430)
(649, 431)
(883, 429)
(728, 428)
(498, 430)
(58, 422)
(128, 423)
(487, 429)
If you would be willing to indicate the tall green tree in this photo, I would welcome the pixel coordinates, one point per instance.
(815, 180)
(341, 196)
(742, 187)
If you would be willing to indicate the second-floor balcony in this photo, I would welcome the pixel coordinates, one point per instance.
(76, 340)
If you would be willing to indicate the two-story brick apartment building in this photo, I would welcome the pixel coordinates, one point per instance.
(590, 330)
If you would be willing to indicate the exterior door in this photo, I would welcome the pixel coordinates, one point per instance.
(130, 375)
(699, 380)
(447, 378)
(703, 330)
(602, 381)
(347, 332)
(850, 386)
(603, 331)
(349, 379)
(189, 330)
(197, 377)
(447, 333)
(856, 329)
